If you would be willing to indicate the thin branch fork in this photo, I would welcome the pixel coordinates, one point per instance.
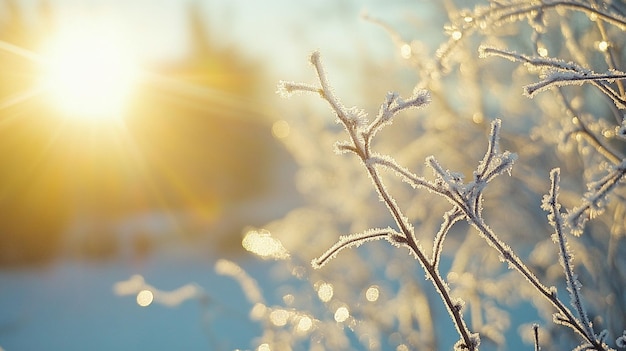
(360, 136)
(465, 198)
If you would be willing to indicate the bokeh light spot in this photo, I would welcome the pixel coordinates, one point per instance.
(304, 324)
(279, 317)
(477, 118)
(325, 292)
(145, 298)
(406, 51)
(603, 46)
(258, 311)
(289, 299)
(372, 293)
(263, 244)
(342, 314)
(281, 129)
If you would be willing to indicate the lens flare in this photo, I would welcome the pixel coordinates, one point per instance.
(88, 72)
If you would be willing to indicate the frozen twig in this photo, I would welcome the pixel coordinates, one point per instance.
(551, 204)
(536, 336)
(520, 9)
(559, 73)
(595, 199)
(355, 240)
(449, 218)
(582, 129)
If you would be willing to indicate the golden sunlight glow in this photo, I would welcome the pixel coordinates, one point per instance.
(88, 72)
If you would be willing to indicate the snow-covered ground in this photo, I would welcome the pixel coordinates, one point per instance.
(71, 305)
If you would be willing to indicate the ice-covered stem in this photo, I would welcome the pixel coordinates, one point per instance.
(595, 198)
(469, 341)
(540, 62)
(506, 12)
(564, 315)
(536, 336)
(355, 240)
(468, 198)
(585, 131)
(361, 132)
(501, 12)
(561, 73)
(467, 202)
(609, 52)
(449, 218)
(558, 78)
(550, 203)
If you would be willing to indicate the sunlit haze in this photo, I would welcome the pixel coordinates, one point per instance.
(88, 72)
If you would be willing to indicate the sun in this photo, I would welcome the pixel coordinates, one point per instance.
(88, 73)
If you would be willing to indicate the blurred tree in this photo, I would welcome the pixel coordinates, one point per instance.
(206, 122)
(33, 209)
(192, 142)
(201, 129)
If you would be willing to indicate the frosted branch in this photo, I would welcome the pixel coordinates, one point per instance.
(551, 204)
(393, 105)
(494, 163)
(355, 240)
(287, 89)
(449, 218)
(596, 198)
(516, 10)
(536, 336)
(361, 134)
(559, 79)
(409, 177)
(560, 73)
(539, 62)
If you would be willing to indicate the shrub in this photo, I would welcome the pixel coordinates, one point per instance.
(566, 57)
(543, 79)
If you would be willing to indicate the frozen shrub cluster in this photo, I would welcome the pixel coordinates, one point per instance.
(485, 269)
(567, 56)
